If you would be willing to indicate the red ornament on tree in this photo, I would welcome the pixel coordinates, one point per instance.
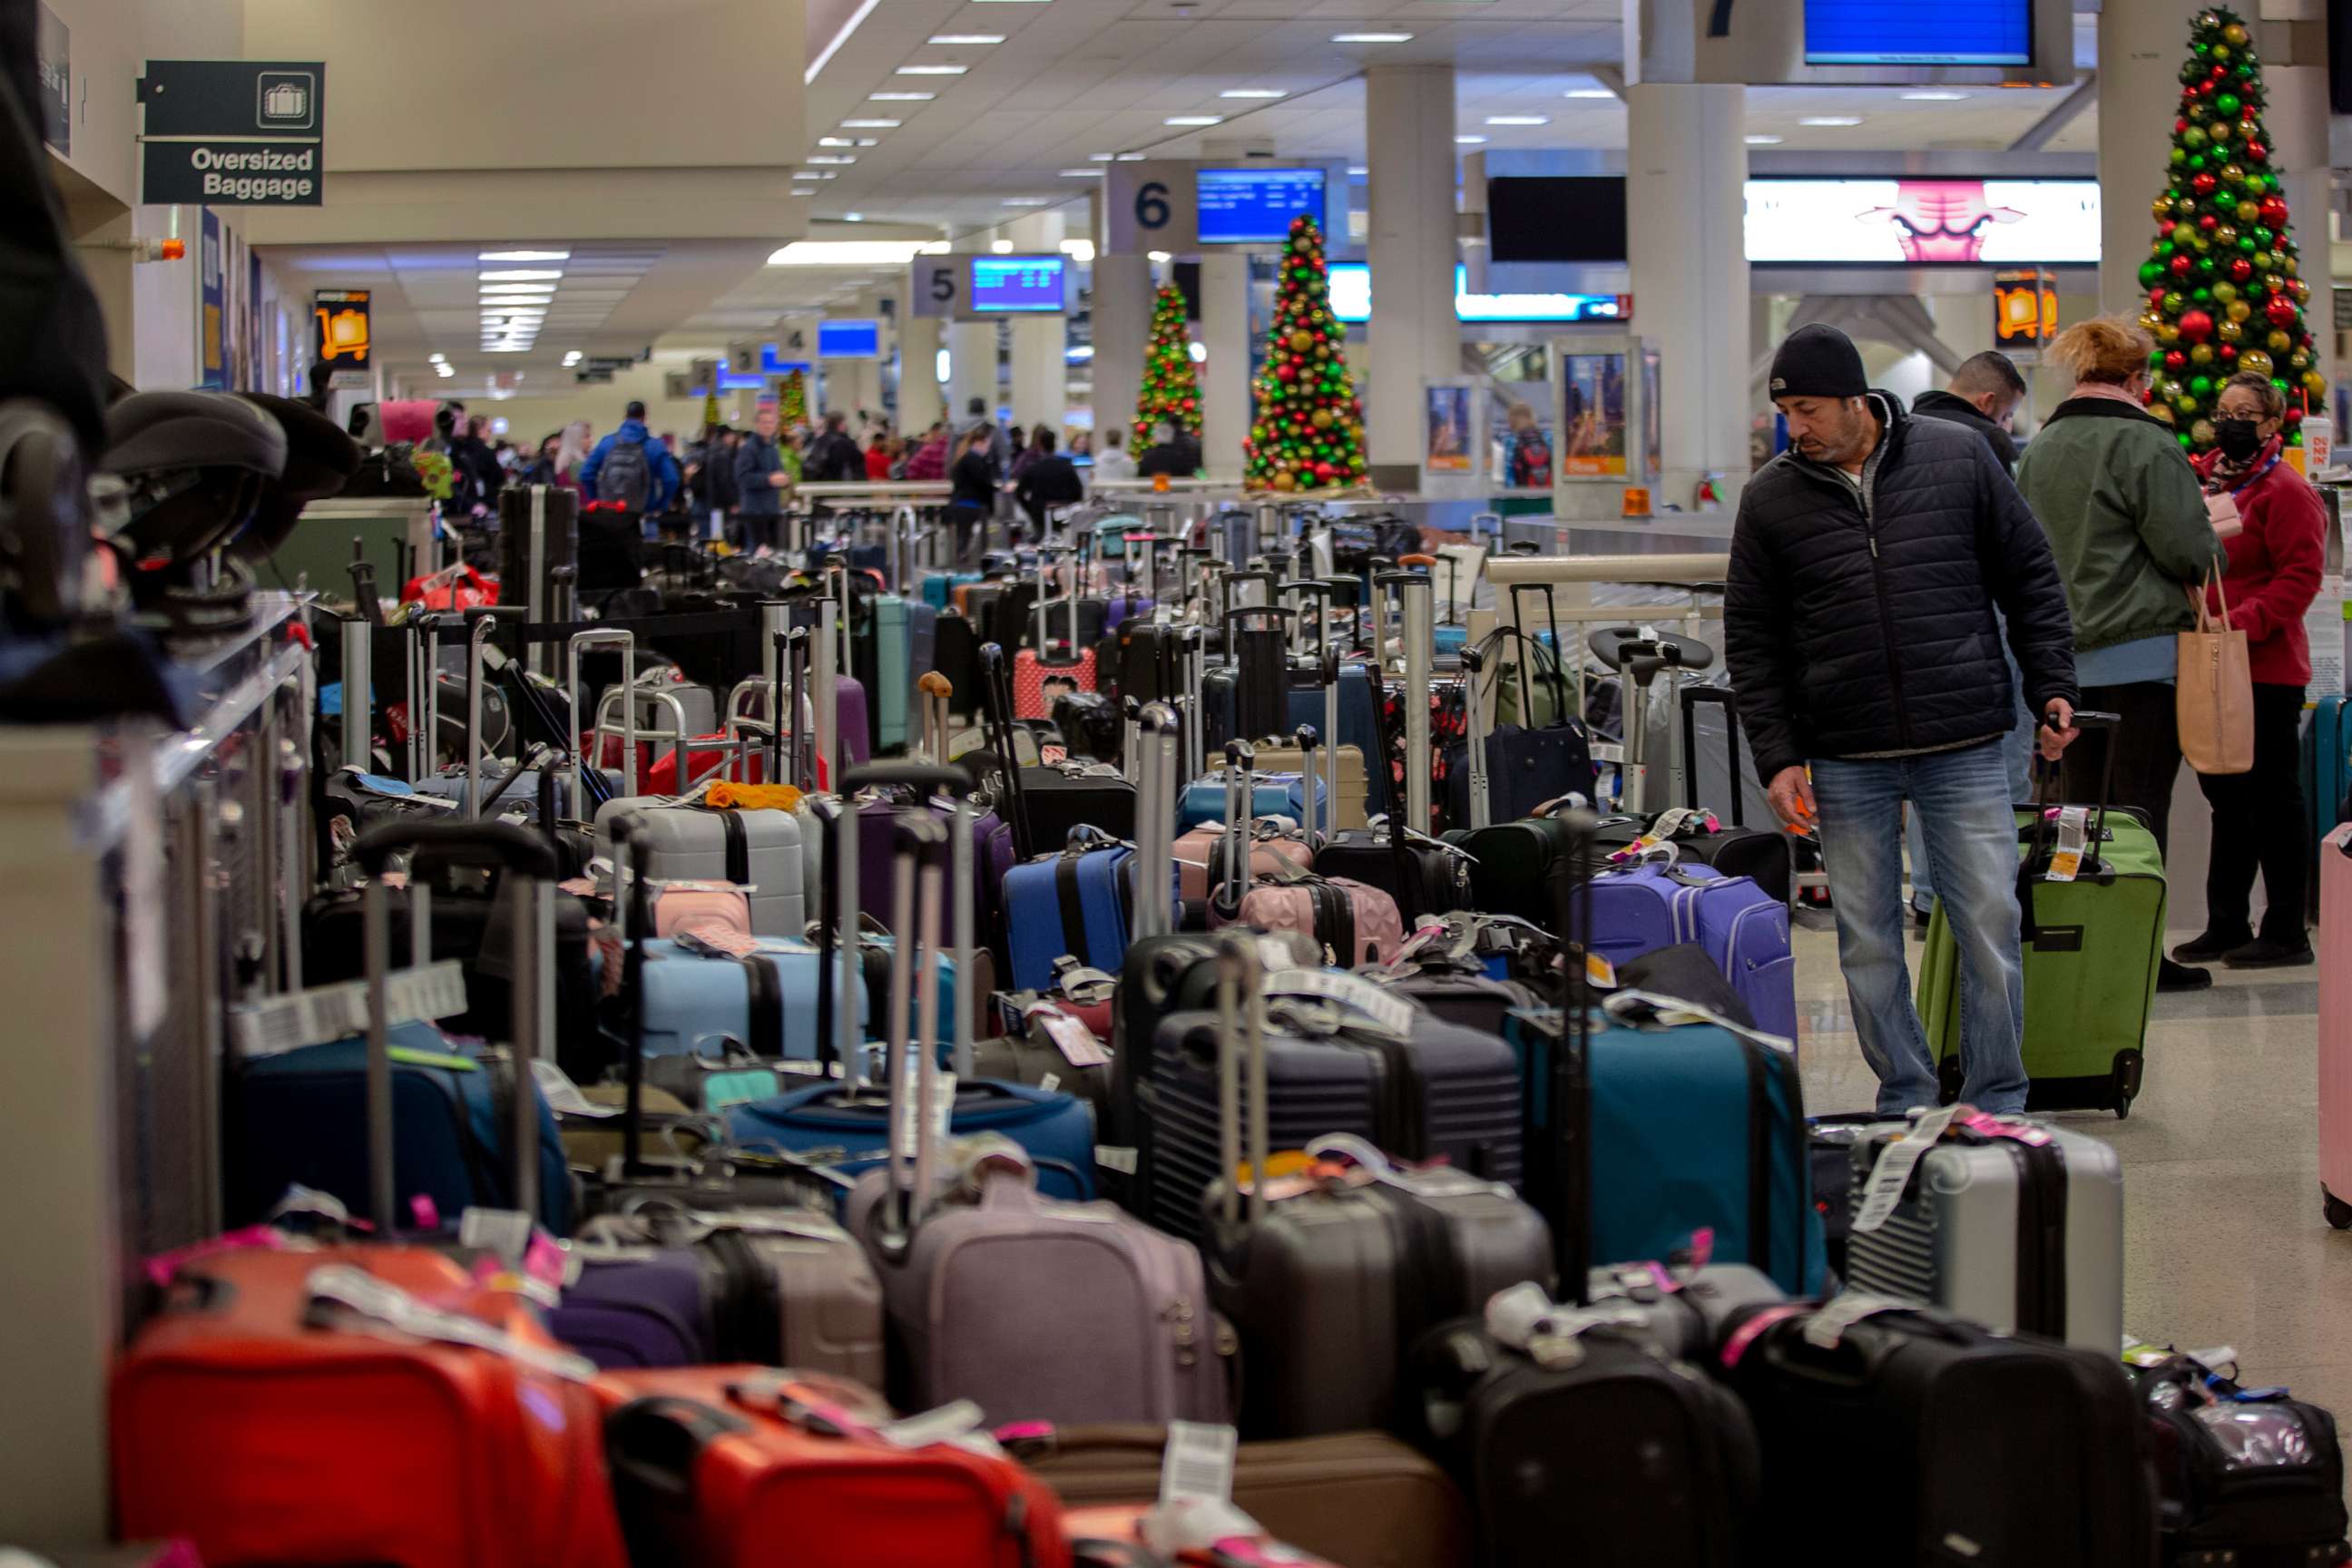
(2256, 153)
(2240, 269)
(2204, 184)
(2274, 211)
(2282, 311)
(1286, 371)
(2196, 326)
(2175, 361)
(2182, 262)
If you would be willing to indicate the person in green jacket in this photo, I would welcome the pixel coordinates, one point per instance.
(2126, 520)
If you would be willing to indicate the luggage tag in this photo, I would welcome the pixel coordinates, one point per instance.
(324, 1013)
(1392, 1014)
(2073, 832)
(1526, 1318)
(1070, 1037)
(563, 1095)
(942, 1111)
(339, 1289)
(1636, 1006)
(1825, 1330)
(1891, 1171)
(2014, 1128)
(1197, 1466)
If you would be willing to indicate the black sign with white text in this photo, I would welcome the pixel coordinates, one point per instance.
(234, 132)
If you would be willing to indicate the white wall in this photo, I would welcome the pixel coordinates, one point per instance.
(534, 411)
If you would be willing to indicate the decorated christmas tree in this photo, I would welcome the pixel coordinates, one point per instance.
(1169, 391)
(2223, 294)
(1309, 428)
(792, 399)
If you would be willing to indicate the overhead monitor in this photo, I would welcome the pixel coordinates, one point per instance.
(1922, 221)
(1556, 217)
(1351, 302)
(849, 339)
(1019, 285)
(1256, 207)
(1947, 33)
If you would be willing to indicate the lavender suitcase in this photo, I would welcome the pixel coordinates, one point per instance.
(1638, 910)
(649, 1307)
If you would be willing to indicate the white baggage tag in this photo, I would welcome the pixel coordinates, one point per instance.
(1825, 1330)
(1073, 1041)
(1195, 1524)
(1120, 1159)
(942, 1111)
(1892, 1171)
(563, 1095)
(947, 1424)
(1389, 1012)
(396, 1309)
(503, 1232)
(2073, 832)
(328, 1013)
(1198, 1465)
(1050, 1082)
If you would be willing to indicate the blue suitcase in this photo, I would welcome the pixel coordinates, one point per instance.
(767, 1001)
(301, 1115)
(1079, 903)
(1271, 794)
(883, 654)
(1649, 1134)
(923, 653)
(1639, 909)
(1058, 1129)
(939, 587)
(1360, 722)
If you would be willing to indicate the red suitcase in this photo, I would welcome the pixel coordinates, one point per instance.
(720, 1467)
(1044, 672)
(244, 1420)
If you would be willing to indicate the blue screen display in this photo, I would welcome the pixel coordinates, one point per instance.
(1911, 33)
(848, 339)
(773, 363)
(1025, 284)
(1254, 206)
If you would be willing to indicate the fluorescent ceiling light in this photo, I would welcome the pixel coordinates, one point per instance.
(506, 348)
(572, 358)
(1194, 120)
(803, 190)
(516, 299)
(521, 275)
(1588, 93)
(1078, 249)
(870, 142)
(1371, 38)
(871, 124)
(1028, 201)
(853, 217)
(1763, 141)
(814, 175)
(1519, 120)
(1469, 140)
(1357, 171)
(524, 255)
(835, 141)
(1161, 257)
(1937, 97)
(829, 158)
(442, 369)
(847, 253)
(1100, 157)
(438, 358)
(1253, 92)
(1000, 247)
(951, 38)
(934, 247)
(1831, 119)
(1082, 173)
(902, 97)
(1131, 157)
(931, 70)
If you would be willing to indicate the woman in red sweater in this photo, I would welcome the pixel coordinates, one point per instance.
(879, 457)
(2275, 561)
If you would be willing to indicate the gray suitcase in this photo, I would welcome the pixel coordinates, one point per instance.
(2022, 1237)
(758, 849)
(1685, 1309)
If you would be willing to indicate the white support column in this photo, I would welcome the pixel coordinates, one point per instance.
(2141, 45)
(2294, 78)
(972, 370)
(920, 405)
(1225, 374)
(1041, 379)
(1686, 208)
(1122, 322)
(1409, 124)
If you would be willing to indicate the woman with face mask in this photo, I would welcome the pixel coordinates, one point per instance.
(2275, 557)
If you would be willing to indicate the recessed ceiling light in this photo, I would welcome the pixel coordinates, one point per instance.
(870, 142)
(1935, 96)
(1588, 93)
(1194, 120)
(1831, 119)
(835, 141)
(1519, 120)
(853, 217)
(522, 291)
(814, 175)
(1028, 201)
(1357, 171)
(1100, 157)
(803, 190)
(439, 358)
(572, 358)
(1082, 173)
(444, 369)
(524, 255)
(1253, 92)
(1469, 140)
(871, 124)
(931, 70)
(521, 275)
(1163, 257)
(902, 97)
(829, 158)
(1078, 249)
(1763, 141)
(1371, 38)
(506, 348)
(1131, 157)
(1000, 247)
(967, 38)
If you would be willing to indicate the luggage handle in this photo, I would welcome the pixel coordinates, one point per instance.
(627, 643)
(2046, 830)
(1473, 733)
(1156, 811)
(1572, 1083)
(1417, 766)
(1239, 786)
(481, 622)
(997, 703)
(1241, 1026)
(916, 888)
(1723, 697)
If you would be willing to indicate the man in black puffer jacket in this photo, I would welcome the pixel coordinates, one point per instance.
(1866, 564)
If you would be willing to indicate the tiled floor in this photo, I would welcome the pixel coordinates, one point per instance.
(2224, 1243)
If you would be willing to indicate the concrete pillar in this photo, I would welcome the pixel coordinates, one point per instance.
(1225, 410)
(972, 369)
(2294, 76)
(1409, 121)
(2141, 45)
(1686, 168)
(1122, 323)
(920, 403)
(1041, 379)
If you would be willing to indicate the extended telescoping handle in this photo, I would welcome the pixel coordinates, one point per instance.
(2046, 793)
(1420, 634)
(1240, 761)
(573, 646)
(1273, 581)
(633, 846)
(1156, 786)
(1241, 1033)
(1722, 696)
(482, 621)
(996, 702)
(913, 866)
(936, 690)
(1481, 809)
(365, 598)
(1572, 1084)
(528, 856)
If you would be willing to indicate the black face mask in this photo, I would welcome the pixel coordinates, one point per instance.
(2238, 438)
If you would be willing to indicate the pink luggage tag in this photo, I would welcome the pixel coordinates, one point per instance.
(2013, 1127)
(164, 1267)
(1735, 1343)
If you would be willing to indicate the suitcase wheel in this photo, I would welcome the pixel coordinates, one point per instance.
(1947, 1080)
(2126, 1079)
(2338, 1211)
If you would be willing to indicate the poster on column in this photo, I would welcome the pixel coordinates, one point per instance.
(253, 376)
(1592, 416)
(1446, 445)
(211, 301)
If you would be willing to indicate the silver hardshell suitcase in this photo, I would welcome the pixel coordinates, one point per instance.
(2015, 1224)
(758, 849)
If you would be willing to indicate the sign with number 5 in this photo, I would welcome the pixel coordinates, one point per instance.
(935, 286)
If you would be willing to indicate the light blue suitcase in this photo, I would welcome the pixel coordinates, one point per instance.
(1271, 794)
(768, 1002)
(893, 680)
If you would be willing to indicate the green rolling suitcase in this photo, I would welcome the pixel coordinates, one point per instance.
(2091, 949)
(884, 643)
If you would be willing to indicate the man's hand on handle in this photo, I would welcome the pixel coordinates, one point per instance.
(2057, 730)
(1792, 798)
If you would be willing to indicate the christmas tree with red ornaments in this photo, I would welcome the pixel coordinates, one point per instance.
(792, 399)
(2223, 290)
(1169, 390)
(1309, 429)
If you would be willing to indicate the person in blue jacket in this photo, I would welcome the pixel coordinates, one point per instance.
(646, 479)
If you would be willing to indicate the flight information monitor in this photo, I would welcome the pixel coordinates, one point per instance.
(1018, 285)
(1914, 32)
(1254, 206)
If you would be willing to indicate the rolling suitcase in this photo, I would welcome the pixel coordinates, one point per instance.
(1048, 801)
(1284, 795)
(2091, 947)
(1737, 850)
(2335, 1027)
(357, 1404)
(721, 1466)
(2015, 1224)
(1491, 1396)
(1359, 719)
(694, 995)
(2248, 1475)
(886, 668)
(645, 1305)
(1045, 671)
(1953, 1420)
(1363, 1498)
(1514, 770)
(956, 655)
(759, 851)
(1744, 930)
(1080, 903)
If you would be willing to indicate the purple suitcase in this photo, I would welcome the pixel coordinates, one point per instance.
(857, 739)
(992, 857)
(652, 1310)
(1638, 910)
(1121, 607)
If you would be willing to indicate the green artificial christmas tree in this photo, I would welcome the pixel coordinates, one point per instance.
(2223, 294)
(792, 399)
(1169, 391)
(1308, 433)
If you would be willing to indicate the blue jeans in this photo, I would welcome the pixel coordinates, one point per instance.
(1961, 800)
(2019, 755)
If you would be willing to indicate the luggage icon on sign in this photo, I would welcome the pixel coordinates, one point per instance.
(289, 100)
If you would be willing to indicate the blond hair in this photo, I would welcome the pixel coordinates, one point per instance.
(2105, 348)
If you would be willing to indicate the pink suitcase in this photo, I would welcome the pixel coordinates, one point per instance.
(2336, 1025)
(1311, 907)
(701, 907)
(1042, 673)
(1195, 848)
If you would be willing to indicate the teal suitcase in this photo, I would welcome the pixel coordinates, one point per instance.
(885, 649)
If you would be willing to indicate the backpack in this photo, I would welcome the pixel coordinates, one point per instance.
(1531, 461)
(626, 476)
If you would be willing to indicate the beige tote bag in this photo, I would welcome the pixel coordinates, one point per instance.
(2215, 693)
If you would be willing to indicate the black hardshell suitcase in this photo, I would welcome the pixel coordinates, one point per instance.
(1940, 1443)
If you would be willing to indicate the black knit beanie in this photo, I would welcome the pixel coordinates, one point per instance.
(1817, 362)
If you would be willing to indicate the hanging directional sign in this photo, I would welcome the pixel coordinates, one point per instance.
(234, 132)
